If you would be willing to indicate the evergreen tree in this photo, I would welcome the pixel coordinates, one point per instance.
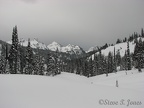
(125, 61)
(90, 66)
(6, 60)
(142, 55)
(85, 67)
(118, 41)
(95, 65)
(50, 64)
(13, 53)
(41, 66)
(86, 73)
(57, 63)
(100, 63)
(22, 59)
(72, 66)
(118, 58)
(115, 65)
(106, 66)
(36, 61)
(3, 59)
(135, 41)
(77, 67)
(138, 54)
(128, 57)
(80, 66)
(29, 59)
(142, 32)
(125, 39)
(135, 35)
(110, 63)
(131, 38)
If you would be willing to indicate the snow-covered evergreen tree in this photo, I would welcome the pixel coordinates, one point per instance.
(85, 70)
(118, 58)
(36, 62)
(114, 63)
(50, 64)
(125, 61)
(41, 66)
(29, 59)
(100, 63)
(13, 53)
(3, 59)
(95, 65)
(110, 62)
(57, 62)
(72, 68)
(128, 57)
(90, 66)
(22, 59)
(139, 54)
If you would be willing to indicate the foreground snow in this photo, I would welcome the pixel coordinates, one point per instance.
(72, 91)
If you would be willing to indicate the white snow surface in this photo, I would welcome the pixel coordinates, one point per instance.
(71, 91)
(121, 47)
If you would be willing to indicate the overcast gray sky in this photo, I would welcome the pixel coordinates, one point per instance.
(81, 22)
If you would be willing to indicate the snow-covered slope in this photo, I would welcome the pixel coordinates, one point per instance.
(121, 47)
(72, 91)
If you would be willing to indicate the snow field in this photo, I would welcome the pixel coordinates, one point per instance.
(71, 91)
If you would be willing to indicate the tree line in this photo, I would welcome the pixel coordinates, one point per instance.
(20, 60)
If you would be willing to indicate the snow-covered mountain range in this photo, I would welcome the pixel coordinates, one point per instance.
(34, 43)
(74, 49)
(54, 46)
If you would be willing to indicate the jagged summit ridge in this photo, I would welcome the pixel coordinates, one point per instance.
(54, 46)
(72, 49)
(34, 43)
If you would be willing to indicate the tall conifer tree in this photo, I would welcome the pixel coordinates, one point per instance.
(128, 57)
(13, 53)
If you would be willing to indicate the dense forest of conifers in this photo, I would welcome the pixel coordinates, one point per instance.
(16, 59)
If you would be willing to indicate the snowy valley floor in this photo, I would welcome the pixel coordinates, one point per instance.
(72, 91)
